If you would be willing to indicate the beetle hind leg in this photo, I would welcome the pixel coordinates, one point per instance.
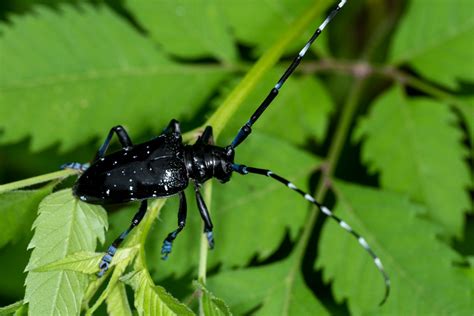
(182, 213)
(107, 258)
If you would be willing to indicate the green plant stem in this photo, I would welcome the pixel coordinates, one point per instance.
(230, 105)
(38, 179)
(204, 247)
(334, 154)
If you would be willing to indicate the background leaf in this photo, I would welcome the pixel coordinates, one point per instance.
(106, 68)
(201, 23)
(117, 302)
(18, 211)
(431, 167)
(390, 223)
(438, 42)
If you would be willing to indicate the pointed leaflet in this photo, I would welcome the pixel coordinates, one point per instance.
(18, 210)
(436, 38)
(188, 29)
(10, 309)
(86, 67)
(251, 214)
(424, 280)
(65, 225)
(415, 145)
(117, 302)
(153, 300)
(212, 306)
(278, 288)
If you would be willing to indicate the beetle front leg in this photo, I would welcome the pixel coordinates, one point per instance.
(206, 217)
(182, 213)
(107, 258)
(123, 137)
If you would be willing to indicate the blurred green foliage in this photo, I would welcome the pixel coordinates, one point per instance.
(378, 122)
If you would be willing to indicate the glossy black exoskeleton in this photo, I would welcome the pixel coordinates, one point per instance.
(164, 166)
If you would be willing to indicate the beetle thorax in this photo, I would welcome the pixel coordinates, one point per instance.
(207, 161)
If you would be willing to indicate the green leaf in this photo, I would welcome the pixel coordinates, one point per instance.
(278, 288)
(87, 262)
(12, 308)
(88, 65)
(117, 302)
(18, 210)
(415, 145)
(437, 43)
(151, 299)
(64, 226)
(467, 112)
(274, 18)
(251, 214)
(420, 266)
(212, 306)
(200, 24)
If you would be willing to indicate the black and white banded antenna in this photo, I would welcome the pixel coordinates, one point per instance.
(247, 128)
(244, 170)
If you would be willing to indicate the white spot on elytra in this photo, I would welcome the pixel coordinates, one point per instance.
(107, 192)
(134, 172)
(131, 188)
(148, 152)
(134, 157)
(154, 195)
(151, 169)
(83, 198)
(115, 162)
(345, 226)
(166, 187)
(130, 180)
(363, 243)
(326, 211)
(102, 159)
(108, 174)
(115, 185)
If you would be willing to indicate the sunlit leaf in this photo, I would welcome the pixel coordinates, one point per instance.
(64, 226)
(151, 299)
(117, 302)
(212, 305)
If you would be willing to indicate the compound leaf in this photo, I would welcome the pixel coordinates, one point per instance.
(87, 65)
(64, 226)
(436, 39)
(416, 147)
(415, 260)
(151, 299)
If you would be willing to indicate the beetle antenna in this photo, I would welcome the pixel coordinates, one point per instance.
(247, 128)
(244, 170)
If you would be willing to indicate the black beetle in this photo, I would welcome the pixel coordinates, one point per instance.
(164, 166)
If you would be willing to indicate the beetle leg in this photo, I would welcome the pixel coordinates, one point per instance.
(122, 136)
(206, 217)
(182, 213)
(206, 137)
(173, 128)
(107, 258)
